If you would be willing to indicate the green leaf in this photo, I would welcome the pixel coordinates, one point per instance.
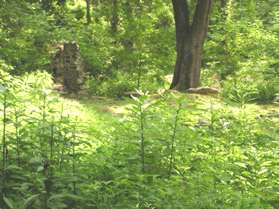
(242, 165)
(8, 202)
(30, 201)
(40, 168)
(2, 89)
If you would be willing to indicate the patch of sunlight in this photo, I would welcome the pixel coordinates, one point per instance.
(198, 104)
(119, 110)
(107, 107)
(74, 108)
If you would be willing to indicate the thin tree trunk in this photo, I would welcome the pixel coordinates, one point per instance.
(62, 2)
(189, 43)
(115, 18)
(96, 5)
(46, 5)
(88, 11)
(223, 3)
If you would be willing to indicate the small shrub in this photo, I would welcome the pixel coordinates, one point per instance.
(239, 91)
(246, 87)
(266, 91)
(115, 87)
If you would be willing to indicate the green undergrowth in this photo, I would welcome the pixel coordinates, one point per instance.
(162, 151)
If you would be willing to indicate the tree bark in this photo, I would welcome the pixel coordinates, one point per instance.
(46, 5)
(223, 3)
(88, 11)
(114, 18)
(181, 18)
(190, 38)
(61, 2)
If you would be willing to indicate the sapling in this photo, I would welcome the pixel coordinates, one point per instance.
(139, 76)
(74, 158)
(141, 198)
(142, 105)
(213, 118)
(17, 135)
(46, 140)
(63, 140)
(140, 111)
(48, 167)
(4, 146)
(142, 138)
(47, 185)
(43, 124)
(173, 139)
(51, 144)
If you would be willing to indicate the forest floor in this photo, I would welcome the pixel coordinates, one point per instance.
(100, 113)
(106, 122)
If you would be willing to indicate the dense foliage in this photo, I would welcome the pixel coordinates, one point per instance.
(243, 39)
(156, 157)
(163, 149)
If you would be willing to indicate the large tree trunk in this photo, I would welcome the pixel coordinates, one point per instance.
(189, 43)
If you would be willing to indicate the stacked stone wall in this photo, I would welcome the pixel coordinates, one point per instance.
(68, 67)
